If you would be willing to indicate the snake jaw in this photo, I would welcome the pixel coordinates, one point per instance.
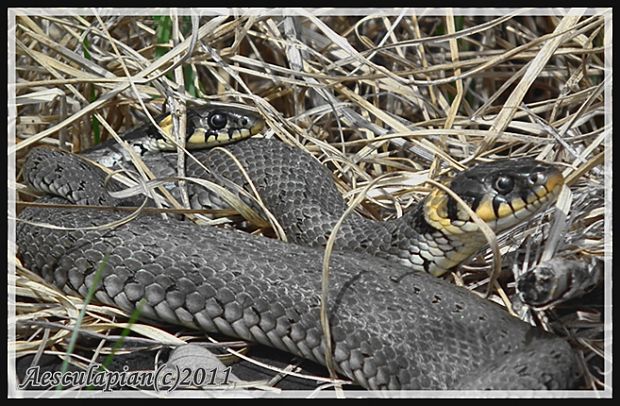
(540, 198)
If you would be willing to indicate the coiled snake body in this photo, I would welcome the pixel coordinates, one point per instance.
(393, 326)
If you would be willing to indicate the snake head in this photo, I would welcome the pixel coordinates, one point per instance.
(501, 193)
(211, 125)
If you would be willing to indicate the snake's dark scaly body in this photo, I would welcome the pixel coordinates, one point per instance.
(392, 325)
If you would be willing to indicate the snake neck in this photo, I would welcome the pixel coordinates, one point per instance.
(409, 240)
(417, 244)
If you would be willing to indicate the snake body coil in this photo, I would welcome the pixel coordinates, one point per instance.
(392, 326)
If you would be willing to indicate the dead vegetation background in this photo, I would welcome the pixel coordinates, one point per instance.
(402, 96)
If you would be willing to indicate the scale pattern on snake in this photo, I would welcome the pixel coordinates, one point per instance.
(393, 326)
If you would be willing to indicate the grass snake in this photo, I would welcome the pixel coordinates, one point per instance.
(393, 324)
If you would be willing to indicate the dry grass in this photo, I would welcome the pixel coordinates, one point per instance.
(399, 98)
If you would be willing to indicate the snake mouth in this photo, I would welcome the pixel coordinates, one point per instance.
(204, 138)
(501, 212)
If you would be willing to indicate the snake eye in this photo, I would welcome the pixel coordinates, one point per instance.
(217, 121)
(504, 184)
(244, 122)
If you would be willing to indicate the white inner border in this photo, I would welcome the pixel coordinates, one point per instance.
(13, 391)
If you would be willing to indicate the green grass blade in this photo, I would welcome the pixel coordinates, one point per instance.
(78, 322)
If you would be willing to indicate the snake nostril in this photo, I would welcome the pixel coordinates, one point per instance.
(537, 177)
